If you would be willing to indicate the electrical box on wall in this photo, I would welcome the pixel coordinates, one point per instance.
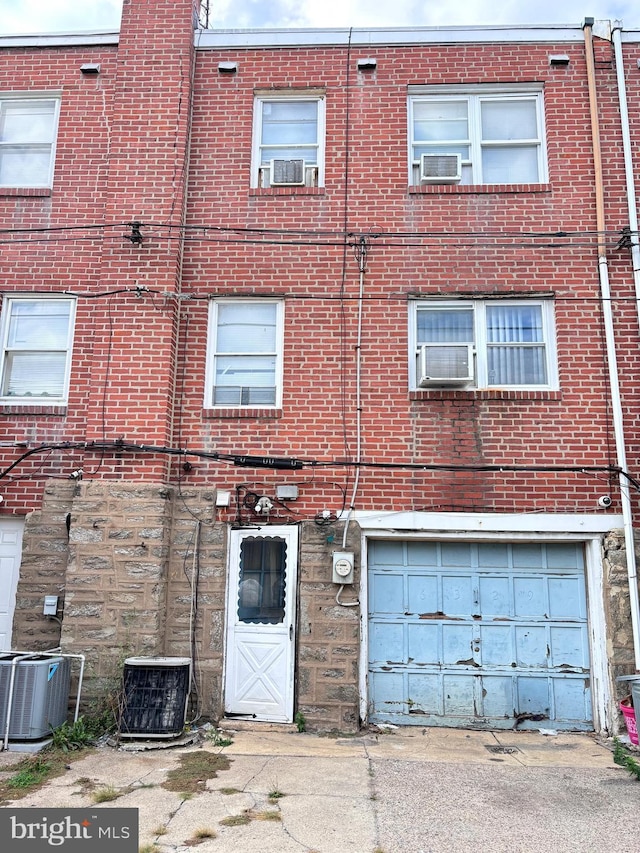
(343, 567)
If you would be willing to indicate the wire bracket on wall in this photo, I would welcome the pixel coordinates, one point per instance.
(136, 235)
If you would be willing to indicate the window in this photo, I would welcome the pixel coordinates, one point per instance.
(484, 344)
(245, 353)
(495, 137)
(27, 141)
(288, 141)
(36, 356)
(261, 591)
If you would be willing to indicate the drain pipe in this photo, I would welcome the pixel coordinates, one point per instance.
(628, 161)
(605, 292)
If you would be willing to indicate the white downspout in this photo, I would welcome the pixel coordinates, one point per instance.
(628, 161)
(616, 405)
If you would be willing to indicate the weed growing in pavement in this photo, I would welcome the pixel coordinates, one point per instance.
(72, 736)
(218, 737)
(624, 758)
(268, 814)
(190, 777)
(200, 835)
(236, 820)
(275, 795)
(160, 830)
(106, 794)
(32, 772)
(230, 790)
(149, 848)
(300, 721)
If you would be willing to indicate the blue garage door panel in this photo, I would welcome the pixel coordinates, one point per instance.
(478, 634)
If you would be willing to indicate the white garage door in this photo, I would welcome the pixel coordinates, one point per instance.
(10, 556)
(489, 635)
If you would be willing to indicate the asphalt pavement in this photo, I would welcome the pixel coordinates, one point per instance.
(408, 790)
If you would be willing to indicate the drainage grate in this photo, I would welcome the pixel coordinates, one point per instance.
(502, 750)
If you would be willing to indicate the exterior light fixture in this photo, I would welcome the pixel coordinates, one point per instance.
(90, 68)
(558, 59)
(227, 67)
(368, 64)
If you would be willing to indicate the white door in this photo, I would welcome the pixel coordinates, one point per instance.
(10, 555)
(259, 669)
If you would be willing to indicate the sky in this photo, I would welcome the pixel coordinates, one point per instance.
(42, 16)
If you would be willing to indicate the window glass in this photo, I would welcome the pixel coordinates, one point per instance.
(442, 326)
(485, 343)
(36, 347)
(261, 590)
(509, 119)
(510, 165)
(440, 120)
(498, 137)
(27, 136)
(290, 122)
(245, 365)
(290, 129)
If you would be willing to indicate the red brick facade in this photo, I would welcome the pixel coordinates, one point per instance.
(161, 137)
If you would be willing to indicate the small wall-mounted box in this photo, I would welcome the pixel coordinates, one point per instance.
(50, 605)
(343, 562)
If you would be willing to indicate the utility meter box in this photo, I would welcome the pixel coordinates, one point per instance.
(343, 567)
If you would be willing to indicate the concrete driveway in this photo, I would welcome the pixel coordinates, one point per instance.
(413, 790)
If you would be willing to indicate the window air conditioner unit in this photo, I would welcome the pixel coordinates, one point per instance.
(445, 364)
(40, 695)
(440, 168)
(155, 693)
(287, 173)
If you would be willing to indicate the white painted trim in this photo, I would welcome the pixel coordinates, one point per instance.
(587, 529)
(436, 523)
(61, 39)
(387, 36)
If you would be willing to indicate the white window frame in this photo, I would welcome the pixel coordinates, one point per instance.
(210, 372)
(481, 379)
(475, 96)
(8, 302)
(315, 170)
(26, 98)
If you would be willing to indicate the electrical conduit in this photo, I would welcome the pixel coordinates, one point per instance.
(605, 291)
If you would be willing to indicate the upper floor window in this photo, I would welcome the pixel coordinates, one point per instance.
(27, 141)
(484, 344)
(36, 349)
(244, 365)
(288, 141)
(478, 136)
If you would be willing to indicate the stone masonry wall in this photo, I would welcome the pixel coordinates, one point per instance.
(45, 552)
(143, 572)
(197, 574)
(116, 585)
(328, 633)
(620, 649)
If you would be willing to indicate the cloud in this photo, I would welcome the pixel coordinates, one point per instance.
(24, 16)
(225, 14)
(51, 16)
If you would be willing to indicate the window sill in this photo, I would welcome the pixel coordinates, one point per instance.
(32, 409)
(25, 191)
(241, 412)
(427, 394)
(477, 189)
(285, 191)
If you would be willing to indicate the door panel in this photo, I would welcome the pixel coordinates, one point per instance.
(10, 557)
(501, 642)
(260, 637)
